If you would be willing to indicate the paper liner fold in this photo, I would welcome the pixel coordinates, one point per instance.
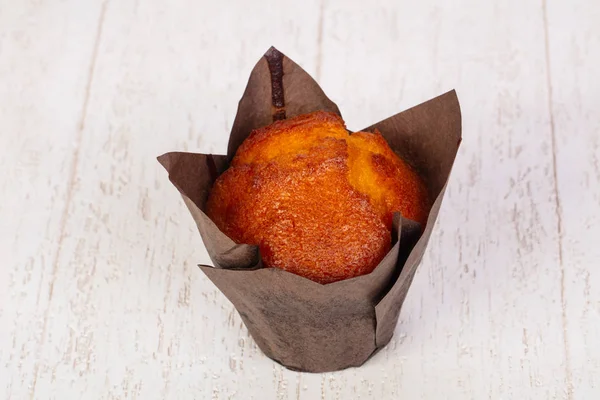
(301, 324)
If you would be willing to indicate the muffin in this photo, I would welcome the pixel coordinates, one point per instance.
(317, 200)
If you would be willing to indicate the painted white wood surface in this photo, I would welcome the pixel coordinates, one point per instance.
(99, 293)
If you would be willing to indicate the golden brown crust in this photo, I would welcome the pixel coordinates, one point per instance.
(390, 183)
(291, 136)
(316, 200)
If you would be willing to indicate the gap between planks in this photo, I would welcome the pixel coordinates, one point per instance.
(557, 206)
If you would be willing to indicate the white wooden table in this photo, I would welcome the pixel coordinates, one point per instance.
(100, 296)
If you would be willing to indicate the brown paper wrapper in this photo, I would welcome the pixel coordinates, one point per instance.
(301, 324)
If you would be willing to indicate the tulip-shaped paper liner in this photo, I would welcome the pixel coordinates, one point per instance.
(301, 324)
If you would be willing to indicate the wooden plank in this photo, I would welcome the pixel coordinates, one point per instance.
(573, 48)
(135, 317)
(45, 59)
(483, 318)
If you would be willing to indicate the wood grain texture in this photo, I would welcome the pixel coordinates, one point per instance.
(100, 296)
(46, 53)
(573, 50)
